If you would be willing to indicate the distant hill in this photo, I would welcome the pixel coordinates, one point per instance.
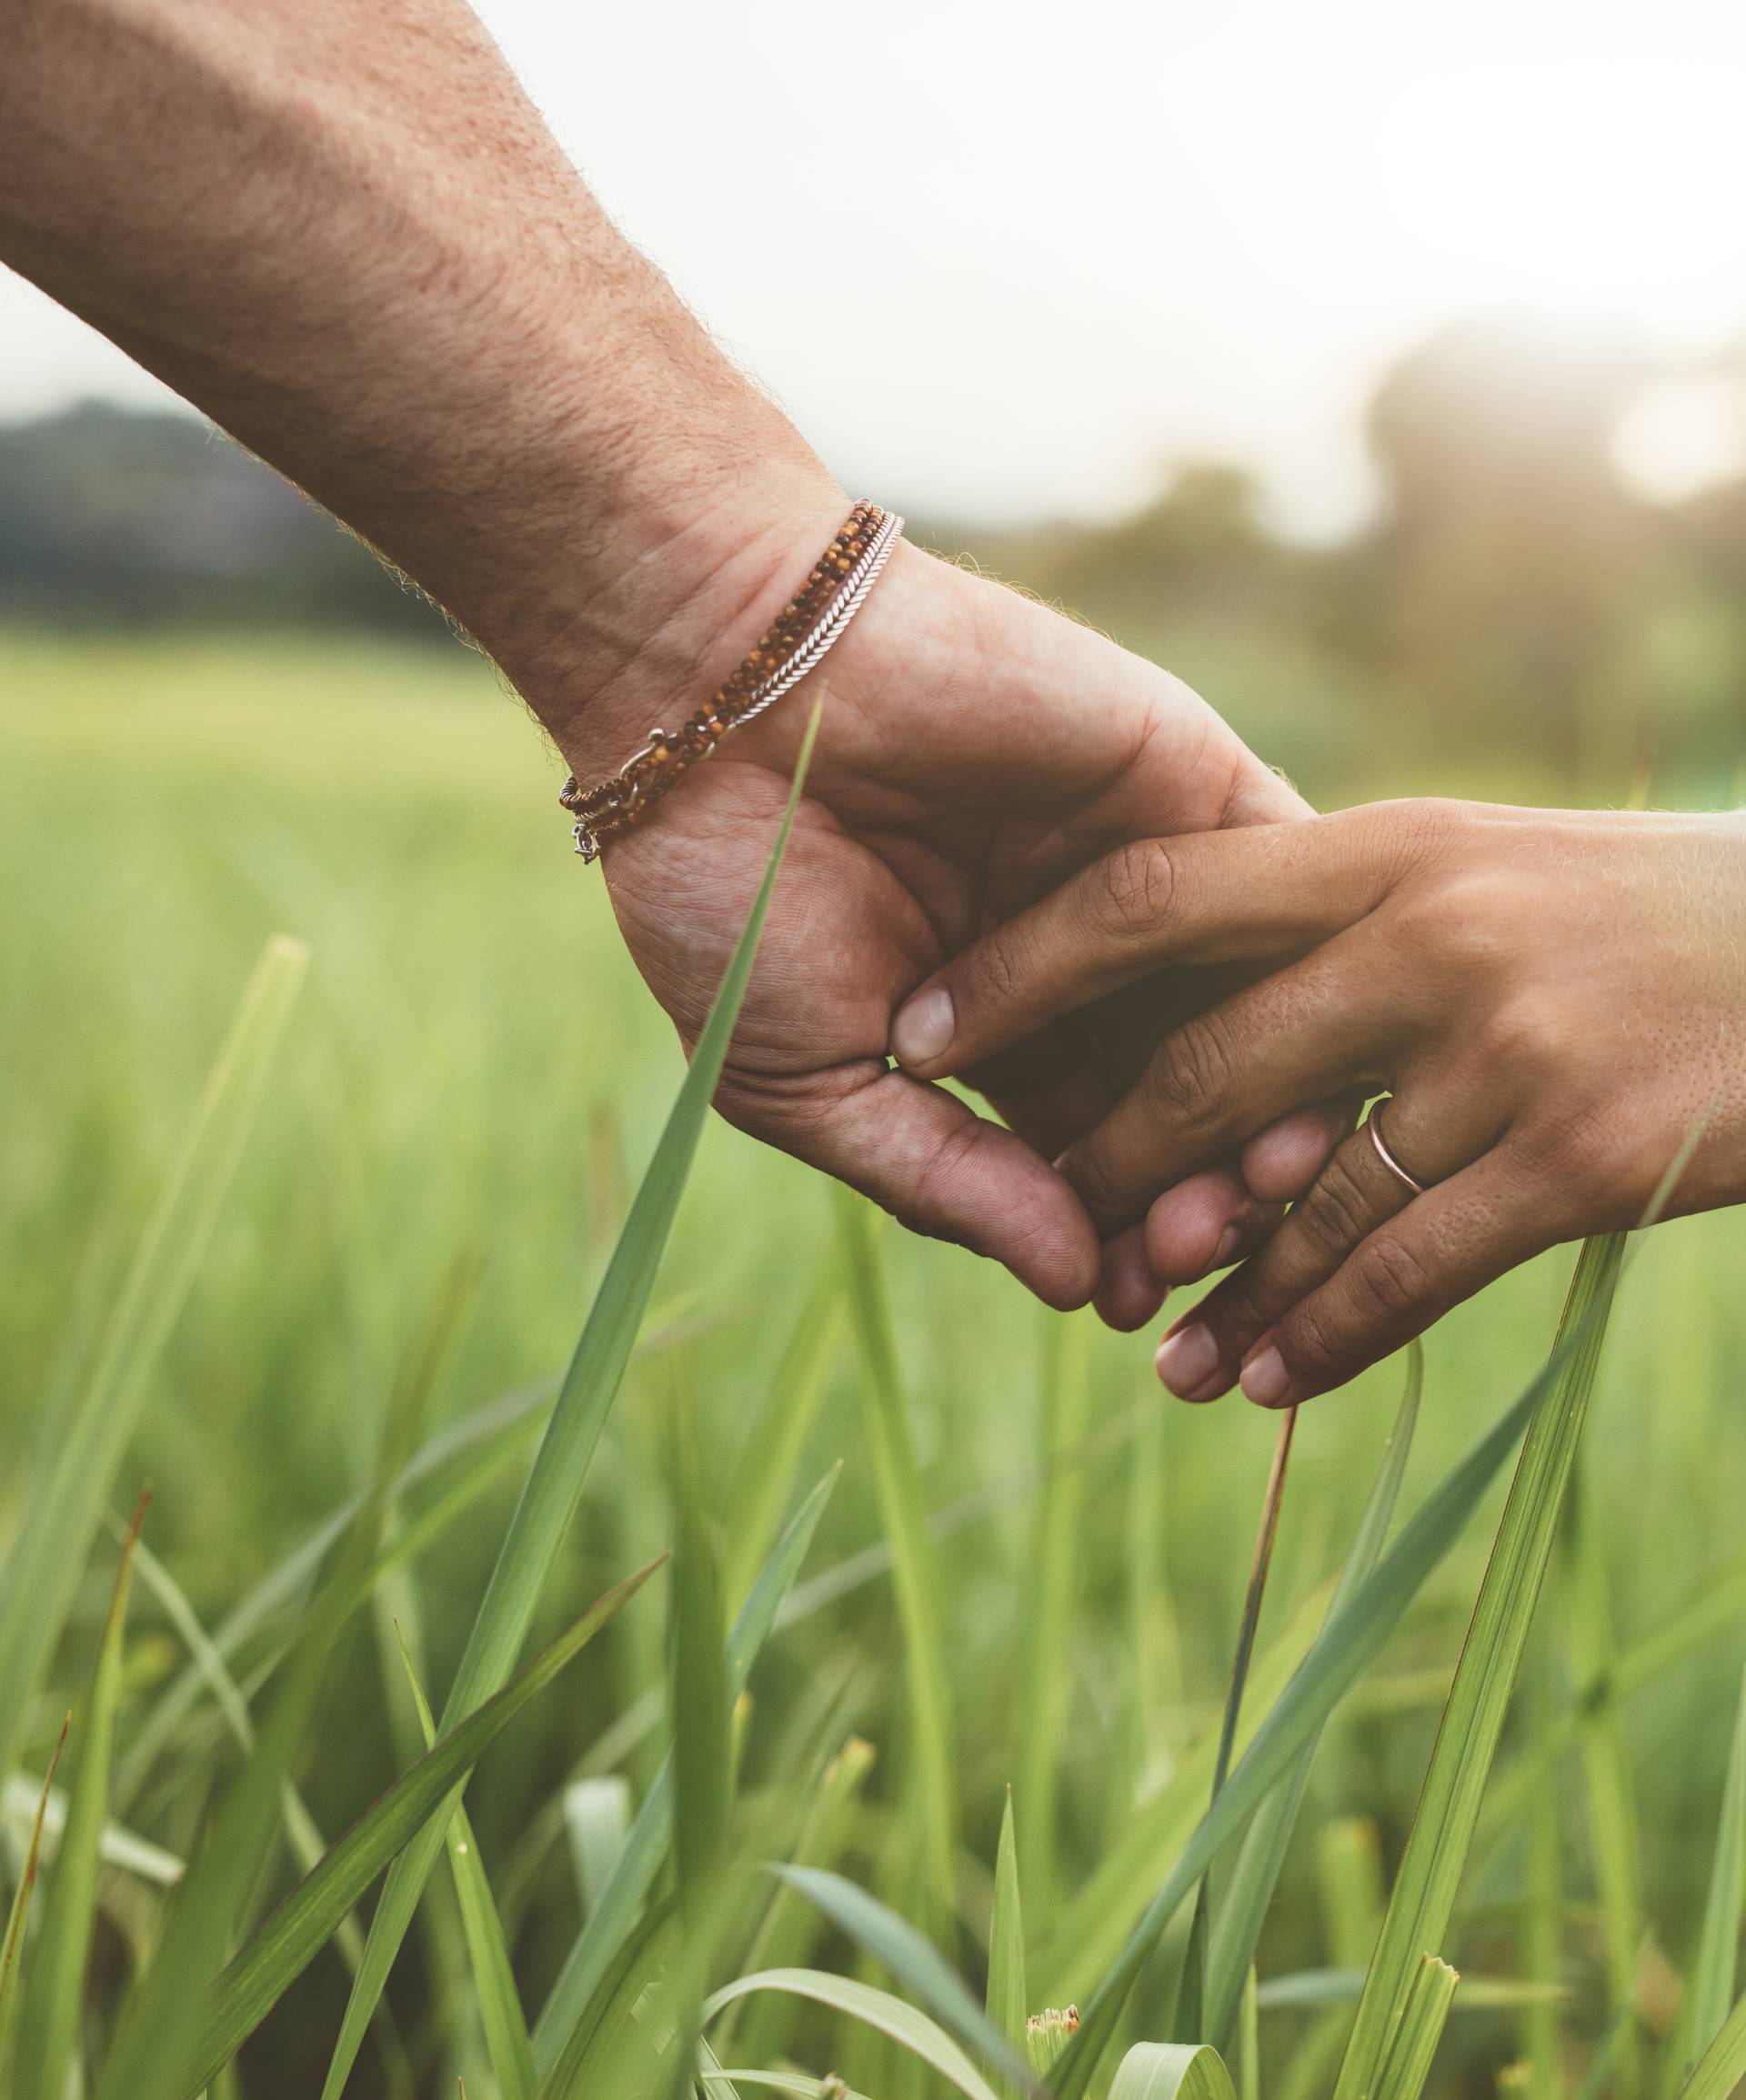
(111, 517)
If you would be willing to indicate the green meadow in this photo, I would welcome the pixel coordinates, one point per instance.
(317, 1275)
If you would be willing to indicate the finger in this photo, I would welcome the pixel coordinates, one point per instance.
(1354, 1194)
(1443, 1248)
(1205, 1222)
(1267, 891)
(1128, 1294)
(928, 1159)
(1310, 1032)
(1279, 1165)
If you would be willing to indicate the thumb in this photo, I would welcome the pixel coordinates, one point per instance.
(1264, 892)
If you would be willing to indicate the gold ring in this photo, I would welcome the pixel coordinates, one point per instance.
(1373, 1124)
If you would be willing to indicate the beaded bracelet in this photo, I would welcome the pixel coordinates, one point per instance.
(795, 644)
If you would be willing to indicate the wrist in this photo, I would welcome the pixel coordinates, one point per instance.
(640, 635)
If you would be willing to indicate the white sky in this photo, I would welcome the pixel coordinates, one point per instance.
(1006, 258)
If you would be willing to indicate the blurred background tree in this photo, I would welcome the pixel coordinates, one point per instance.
(1516, 619)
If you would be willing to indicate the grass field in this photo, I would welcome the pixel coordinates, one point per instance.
(464, 1100)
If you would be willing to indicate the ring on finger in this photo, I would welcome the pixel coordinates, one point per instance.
(1373, 1124)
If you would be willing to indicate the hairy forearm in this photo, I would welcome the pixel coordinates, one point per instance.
(341, 228)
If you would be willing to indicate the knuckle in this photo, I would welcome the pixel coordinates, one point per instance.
(1092, 1175)
(1392, 1277)
(1187, 1082)
(1135, 889)
(1335, 1214)
(997, 973)
(1581, 1152)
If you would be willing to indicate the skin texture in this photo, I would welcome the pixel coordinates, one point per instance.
(1556, 1002)
(341, 228)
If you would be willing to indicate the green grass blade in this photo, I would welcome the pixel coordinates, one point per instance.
(1722, 2065)
(1093, 1928)
(256, 1979)
(703, 1750)
(1172, 2070)
(1248, 1894)
(301, 1831)
(11, 1948)
(1542, 1905)
(1249, 2051)
(915, 1964)
(903, 2023)
(1009, 2000)
(554, 1486)
(1339, 1658)
(1612, 1823)
(885, 1422)
(596, 1821)
(1053, 1555)
(791, 1925)
(612, 1919)
(66, 1506)
(161, 2019)
(1417, 2033)
(1423, 1899)
(494, 1975)
(49, 2019)
(758, 1490)
(1709, 1989)
(1191, 2022)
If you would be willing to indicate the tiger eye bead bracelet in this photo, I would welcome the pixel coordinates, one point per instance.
(793, 644)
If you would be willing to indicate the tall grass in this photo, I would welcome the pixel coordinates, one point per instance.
(927, 1745)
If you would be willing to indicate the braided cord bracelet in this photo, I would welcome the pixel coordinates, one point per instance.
(795, 644)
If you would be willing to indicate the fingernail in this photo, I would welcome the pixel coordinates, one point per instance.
(1265, 1379)
(1225, 1253)
(1187, 1359)
(923, 1030)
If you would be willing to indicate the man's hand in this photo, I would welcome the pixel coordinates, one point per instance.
(976, 750)
(1556, 1002)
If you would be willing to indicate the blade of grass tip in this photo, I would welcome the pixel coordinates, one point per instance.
(162, 2018)
(1172, 2070)
(1247, 1892)
(904, 2024)
(1051, 1560)
(596, 1821)
(64, 1507)
(260, 1973)
(494, 1975)
(1339, 1657)
(791, 1925)
(1722, 2065)
(1417, 2033)
(703, 1756)
(1423, 1898)
(1192, 2006)
(1709, 1990)
(1009, 2001)
(885, 1422)
(915, 1964)
(15, 1940)
(1612, 1823)
(759, 1487)
(554, 1488)
(55, 1995)
(612, 1919)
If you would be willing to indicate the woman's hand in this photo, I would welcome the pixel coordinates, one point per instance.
(976, 750)
(1556, 1002)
